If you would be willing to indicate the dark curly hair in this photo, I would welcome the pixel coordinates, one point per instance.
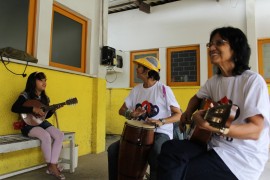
(239, 44)
(30, 87)
(153, 74)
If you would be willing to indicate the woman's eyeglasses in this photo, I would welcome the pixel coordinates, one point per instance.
(216, 43)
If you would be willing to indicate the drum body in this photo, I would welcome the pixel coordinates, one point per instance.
(135, 145)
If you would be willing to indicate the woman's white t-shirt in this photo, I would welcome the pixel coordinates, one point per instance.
(156, 100)
(245, 158)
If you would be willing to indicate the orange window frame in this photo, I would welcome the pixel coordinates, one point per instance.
(133, 54)
(31, 26)
(261, 42)
(209, 67)
(178, 49)
(64, 12)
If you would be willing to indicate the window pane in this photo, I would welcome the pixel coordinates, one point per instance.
(14, 23)
(266, 60)
(66, 41)
(184, 66)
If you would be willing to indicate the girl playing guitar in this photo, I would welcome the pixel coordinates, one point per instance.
(51, 138)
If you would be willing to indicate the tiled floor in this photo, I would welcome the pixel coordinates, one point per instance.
(93, 167)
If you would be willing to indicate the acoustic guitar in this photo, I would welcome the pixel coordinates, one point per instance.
(217, 115)
(33, 119)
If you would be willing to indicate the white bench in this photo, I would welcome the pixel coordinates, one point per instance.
(16, 142)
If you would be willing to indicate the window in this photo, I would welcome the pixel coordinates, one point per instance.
(68, 41)
(183, 67)
(17, 28)
(264, 58)
(136, 55)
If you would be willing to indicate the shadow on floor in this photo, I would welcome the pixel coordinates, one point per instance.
(93, 167)
(90, 167)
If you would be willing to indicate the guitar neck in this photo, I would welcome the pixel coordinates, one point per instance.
(55, 106)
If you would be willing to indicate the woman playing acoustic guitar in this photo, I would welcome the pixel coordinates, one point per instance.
(239, 151)
(51, 138)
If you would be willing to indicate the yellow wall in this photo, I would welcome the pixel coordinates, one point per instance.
(87, 118)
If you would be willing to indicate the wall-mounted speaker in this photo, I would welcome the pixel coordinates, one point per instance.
(108, 56)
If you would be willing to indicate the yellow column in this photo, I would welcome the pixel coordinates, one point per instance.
(99, 115)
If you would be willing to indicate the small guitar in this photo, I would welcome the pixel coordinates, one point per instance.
(33, 119)
(217, 115)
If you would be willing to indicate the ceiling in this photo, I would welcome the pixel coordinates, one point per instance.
(116, 6)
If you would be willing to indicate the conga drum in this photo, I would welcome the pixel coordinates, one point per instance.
(135, 144)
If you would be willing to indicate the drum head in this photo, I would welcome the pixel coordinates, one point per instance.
(139, 124)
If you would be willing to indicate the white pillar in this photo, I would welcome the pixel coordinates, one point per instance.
(251, 34)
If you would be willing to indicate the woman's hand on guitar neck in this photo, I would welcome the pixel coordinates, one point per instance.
(38, 111)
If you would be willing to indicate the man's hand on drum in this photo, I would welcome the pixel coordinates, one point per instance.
(138, 112)
(153, 122)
